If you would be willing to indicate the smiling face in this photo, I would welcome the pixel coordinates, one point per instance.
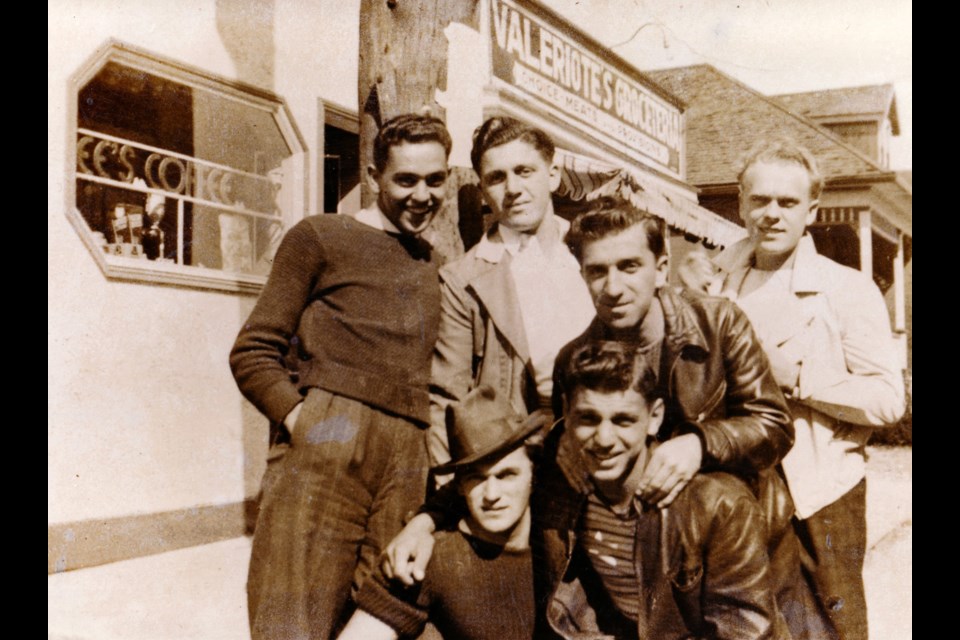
(517, 181)
(776, 207)
(412, 186)
(611, 428)
(622, 274)
(498, 492)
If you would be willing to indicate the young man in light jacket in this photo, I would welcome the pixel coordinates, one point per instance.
(826, 331)
(511, 302)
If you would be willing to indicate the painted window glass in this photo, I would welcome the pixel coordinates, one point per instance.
(180, 172)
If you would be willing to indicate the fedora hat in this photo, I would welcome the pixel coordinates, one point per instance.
(482, 425)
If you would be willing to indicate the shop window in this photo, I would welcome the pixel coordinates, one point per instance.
(181, 176)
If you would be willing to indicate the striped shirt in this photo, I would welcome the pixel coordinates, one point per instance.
(609, 540)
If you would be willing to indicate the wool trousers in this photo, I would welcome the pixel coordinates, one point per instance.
(834, 542)
(331, 500)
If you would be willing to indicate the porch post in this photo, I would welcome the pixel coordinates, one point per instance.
(865, 233)
(899, 301)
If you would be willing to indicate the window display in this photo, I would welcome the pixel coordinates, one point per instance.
(182, 173)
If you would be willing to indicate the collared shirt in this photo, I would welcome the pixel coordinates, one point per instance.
(514, 241)
(372, 216)
(833, 321)
(555, 304)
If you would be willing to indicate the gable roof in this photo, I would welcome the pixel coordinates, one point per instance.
(875, 100)
(725, 118)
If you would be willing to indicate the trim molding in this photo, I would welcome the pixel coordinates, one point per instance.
(88, 543)
(340, 117)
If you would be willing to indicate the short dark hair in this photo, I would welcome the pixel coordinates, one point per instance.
(608, 367)
(500, 130)
(610, 215)
(409, 127)
(784, 149)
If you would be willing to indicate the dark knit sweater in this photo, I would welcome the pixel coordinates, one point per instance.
(347, 308)
(473, 591)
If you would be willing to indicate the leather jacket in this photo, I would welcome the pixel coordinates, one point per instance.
(702, 563)
(720, 387)
(719, 384)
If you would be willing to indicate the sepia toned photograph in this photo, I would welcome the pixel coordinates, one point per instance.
(479, 319)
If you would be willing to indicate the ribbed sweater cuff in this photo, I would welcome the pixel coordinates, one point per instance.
(280, 400)
(402, 617)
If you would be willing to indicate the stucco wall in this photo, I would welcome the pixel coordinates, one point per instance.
(143, 414)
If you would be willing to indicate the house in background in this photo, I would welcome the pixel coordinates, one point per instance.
(863, 117)
(866, 210)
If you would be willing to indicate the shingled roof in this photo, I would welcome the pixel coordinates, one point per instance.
(876, 100)
(725, 118)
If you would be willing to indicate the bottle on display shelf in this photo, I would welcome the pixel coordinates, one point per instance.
(153, 235)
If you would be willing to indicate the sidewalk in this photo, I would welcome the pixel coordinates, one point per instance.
(198, 593)
(888, 566)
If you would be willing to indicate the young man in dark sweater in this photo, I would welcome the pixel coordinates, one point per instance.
(336, 354)
(479, 585)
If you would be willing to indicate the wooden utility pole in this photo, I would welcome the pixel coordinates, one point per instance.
(403, 61)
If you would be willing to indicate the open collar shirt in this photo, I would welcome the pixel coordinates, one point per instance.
(555, 305)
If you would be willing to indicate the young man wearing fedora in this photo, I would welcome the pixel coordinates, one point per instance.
(479, 584)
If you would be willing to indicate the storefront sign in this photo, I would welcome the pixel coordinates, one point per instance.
(541, 57)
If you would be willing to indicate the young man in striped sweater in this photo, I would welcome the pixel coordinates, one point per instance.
(615, 564)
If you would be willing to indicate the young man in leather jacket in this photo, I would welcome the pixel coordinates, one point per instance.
(614, 565)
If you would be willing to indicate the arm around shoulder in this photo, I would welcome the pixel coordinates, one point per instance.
(756, 430)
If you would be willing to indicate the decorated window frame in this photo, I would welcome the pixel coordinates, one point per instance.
(180, 176)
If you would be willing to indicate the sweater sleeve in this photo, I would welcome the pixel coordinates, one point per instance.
(257, 357)
(404, 610)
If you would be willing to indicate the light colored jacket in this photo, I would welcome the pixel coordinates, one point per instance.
(481, 338)
(838, 328)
